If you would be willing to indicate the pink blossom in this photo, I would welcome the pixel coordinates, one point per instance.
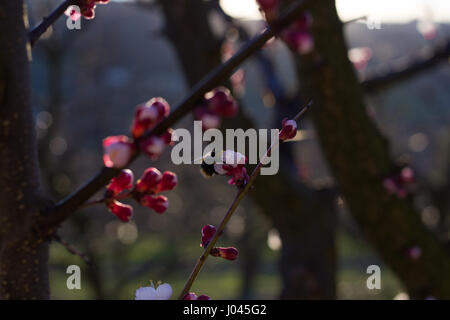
(149, 182)
(288, 129)
(122, 182)
(157, 203)
(222, 102)
(210, 119)
(120, 210)
(153, 146)
(208, 232)
(117, 151)
(149, 114)
(229, 253)
(168, 181)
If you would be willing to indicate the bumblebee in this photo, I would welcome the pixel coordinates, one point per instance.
(207, 168)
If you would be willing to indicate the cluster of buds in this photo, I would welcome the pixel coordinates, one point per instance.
(144, 192)
(296, 36)
(398, 183)
(193, 296)
(228, 253)
(87, 9)
(288, 129)
(216, 104)
(118, 150)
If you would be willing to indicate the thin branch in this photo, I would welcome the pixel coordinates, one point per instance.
(40, 29)
(417, 65)
(237, 200)
(67, 206)
(71, 249)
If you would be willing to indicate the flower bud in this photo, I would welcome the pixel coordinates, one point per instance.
(120, 210)
(288, 130)
(123, 181)
(157, 203)
(190, 296)
(222, 102)
(407, 175)
(153, 147)
(167, 136)
(269, 7)
(209, 118)
(208, 232)
(147, 115)
(117, 151)
(203, 297)
(168, 182)
(414, 252)
(229, 253)
(149, 181)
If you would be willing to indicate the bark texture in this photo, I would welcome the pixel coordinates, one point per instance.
(23, 254)
(359, 158)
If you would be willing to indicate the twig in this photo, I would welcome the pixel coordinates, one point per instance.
(364, 17)
(71, 249)
(417, 65)
(237, 200)
(37, 31)
(64, 208)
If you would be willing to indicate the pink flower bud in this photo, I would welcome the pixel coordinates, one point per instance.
(407, 175)
(147, 115)
(168, 182)
(117, 151)
(298, 40)
(208, 232)
(389, 185)
(288, 130)
(222, 102)
(152, 147)
(190, 296)
(102, 1)
(149, 181)
(167, 136)
(203, 297)
(270, 8)
(209, 118)
(157, 203)
(233, 165)
(73, 14)
(229, 253)
(414, 252)
(123, 181)
(88, 10)
(120, 210)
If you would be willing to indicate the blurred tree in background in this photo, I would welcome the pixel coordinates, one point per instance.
(296, 233)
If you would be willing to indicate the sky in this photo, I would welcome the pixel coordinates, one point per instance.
(398, 11)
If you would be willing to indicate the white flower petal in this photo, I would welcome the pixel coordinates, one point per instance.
(146, 293)
(164, 292)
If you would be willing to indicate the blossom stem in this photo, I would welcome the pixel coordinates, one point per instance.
(40, 29)
(237, 200)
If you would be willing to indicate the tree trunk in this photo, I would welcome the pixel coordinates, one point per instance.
(23, 255)
(359, 158)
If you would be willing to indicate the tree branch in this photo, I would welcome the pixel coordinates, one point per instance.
(66, 207)
(417, 65)
(237, 200)
(40, 29)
